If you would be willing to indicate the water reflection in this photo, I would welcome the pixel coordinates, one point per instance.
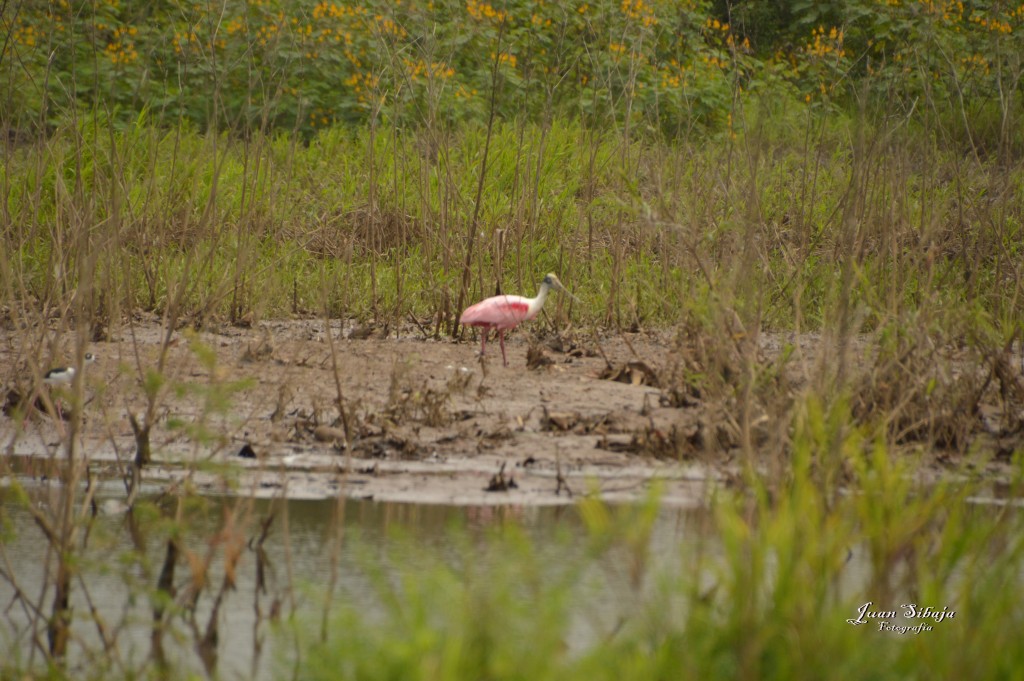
(320, 555)
(303, 559)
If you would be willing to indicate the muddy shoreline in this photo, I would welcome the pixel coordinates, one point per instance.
(254, 411)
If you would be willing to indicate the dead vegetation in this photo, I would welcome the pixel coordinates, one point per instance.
(940, 394)
(500, 482)
(723, 391)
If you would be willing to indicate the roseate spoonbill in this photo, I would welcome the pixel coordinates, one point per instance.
(507, 312)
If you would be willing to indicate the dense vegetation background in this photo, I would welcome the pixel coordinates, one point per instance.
(388, 158)
(662, 67)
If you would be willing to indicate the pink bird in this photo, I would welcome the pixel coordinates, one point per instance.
(507, 312)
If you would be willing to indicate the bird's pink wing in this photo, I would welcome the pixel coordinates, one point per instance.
(497, 312)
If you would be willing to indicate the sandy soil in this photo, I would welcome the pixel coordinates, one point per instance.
(427, 422)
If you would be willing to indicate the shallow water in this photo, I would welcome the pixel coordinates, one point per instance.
(117, 577)
(300, 546)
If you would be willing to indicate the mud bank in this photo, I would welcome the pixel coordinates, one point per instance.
(256, 411)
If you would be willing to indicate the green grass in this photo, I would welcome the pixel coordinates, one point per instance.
(762, 591)
(269, 226)
(182, 160)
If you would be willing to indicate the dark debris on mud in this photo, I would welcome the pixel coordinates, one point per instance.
(429, 422)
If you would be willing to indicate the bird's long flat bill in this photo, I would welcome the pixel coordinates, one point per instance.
(557, 285)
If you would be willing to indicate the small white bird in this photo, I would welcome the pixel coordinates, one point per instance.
(64, 375)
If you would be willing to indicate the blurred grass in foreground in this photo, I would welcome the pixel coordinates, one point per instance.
(764, 592)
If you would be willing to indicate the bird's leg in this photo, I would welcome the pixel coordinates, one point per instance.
(59, 408)
(483, 340)
(53, 401)
(501, 339)
(30, 404)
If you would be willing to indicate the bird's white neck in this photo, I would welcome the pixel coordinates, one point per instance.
(537, 303)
